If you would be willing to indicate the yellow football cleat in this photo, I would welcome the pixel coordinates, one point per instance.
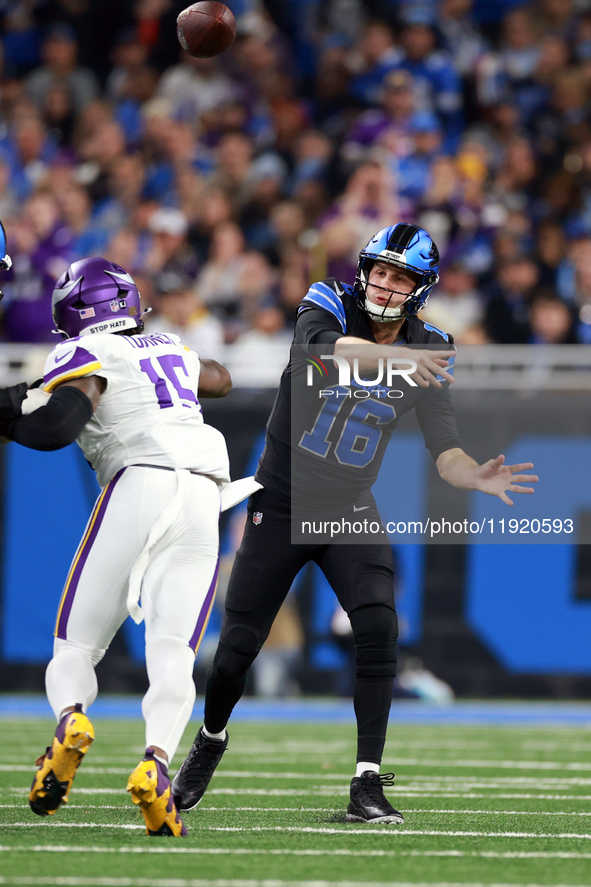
(58, 766)
(149, 787)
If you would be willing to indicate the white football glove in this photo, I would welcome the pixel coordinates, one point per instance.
(35, 398)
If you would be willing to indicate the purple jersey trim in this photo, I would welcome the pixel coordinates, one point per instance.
(81, 361)
(81, 557)
(205, 610)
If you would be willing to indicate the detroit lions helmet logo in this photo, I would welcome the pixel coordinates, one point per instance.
(433, 255)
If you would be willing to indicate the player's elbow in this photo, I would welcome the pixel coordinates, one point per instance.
(225, 382)
(52, 442)
(215, 380)
(55, 425)
(34, 436)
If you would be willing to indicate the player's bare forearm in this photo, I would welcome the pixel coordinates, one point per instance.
(214, 379)
(430, 364)
(457, 468)
(492, 477)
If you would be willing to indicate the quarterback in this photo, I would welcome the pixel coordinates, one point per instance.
(378, 316)
(150, 548)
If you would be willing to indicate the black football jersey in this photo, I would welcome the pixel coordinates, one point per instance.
(339, 441)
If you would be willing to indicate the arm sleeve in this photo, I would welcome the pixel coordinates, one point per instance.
(55, 425)
(315, 326)
(11, 400)
(435, 413)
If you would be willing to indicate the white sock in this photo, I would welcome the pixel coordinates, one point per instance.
(168, 704)
(70, 678)
(364, 766)
(161, 760)
(221, 736)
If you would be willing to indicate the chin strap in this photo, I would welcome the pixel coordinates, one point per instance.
(386, 315)
(140, 323)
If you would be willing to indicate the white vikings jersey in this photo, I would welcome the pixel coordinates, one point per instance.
(149, 412)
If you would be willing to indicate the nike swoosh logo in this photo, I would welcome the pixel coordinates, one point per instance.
(361, 508)
(339, 289)
(63, 357)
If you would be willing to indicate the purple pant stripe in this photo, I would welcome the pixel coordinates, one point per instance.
(81, 558)
(205, 609)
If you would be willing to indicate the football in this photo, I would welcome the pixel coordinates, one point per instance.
(206, 29)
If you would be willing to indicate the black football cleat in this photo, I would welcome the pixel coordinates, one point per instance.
(368, 803)
(194, 774)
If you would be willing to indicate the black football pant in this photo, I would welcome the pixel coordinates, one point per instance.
(266, 564)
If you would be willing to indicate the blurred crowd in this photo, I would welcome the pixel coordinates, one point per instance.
(227, 185)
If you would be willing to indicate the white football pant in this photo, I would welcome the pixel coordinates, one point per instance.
(177, 579)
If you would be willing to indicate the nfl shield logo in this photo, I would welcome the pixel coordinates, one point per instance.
(257, 517)
(114, 305)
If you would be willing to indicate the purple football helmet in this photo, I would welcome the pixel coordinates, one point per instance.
(95, 296)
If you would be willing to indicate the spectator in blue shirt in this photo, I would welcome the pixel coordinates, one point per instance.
(371, 60)
(433, 71)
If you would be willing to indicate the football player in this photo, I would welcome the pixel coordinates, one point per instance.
(396, 272)
(11, 398)
(5, 260)
(131, 401)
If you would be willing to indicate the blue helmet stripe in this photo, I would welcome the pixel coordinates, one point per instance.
(324, 297)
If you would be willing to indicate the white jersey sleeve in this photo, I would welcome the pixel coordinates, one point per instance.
(149, 413)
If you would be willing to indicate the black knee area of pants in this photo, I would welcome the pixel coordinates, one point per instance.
(237, 651)
(375, 631)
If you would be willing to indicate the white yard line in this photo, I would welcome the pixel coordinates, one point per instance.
(371, 830)
(426, 810)
(353, 830)
(72, 881)
(402, 762)
(64, 881)
(332, 792)
(234, 851)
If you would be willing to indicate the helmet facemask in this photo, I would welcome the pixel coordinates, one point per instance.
(413, 301)
(5, 260)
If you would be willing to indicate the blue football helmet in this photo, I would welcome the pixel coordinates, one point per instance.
(5, 260)
(407, 247)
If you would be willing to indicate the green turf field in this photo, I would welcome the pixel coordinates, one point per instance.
(483, 805)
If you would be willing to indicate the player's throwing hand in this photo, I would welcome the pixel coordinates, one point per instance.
(495, 478)
(430, 365)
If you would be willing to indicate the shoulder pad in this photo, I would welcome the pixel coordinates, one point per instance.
(328, 295)
(434, 329)
(69, 360)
